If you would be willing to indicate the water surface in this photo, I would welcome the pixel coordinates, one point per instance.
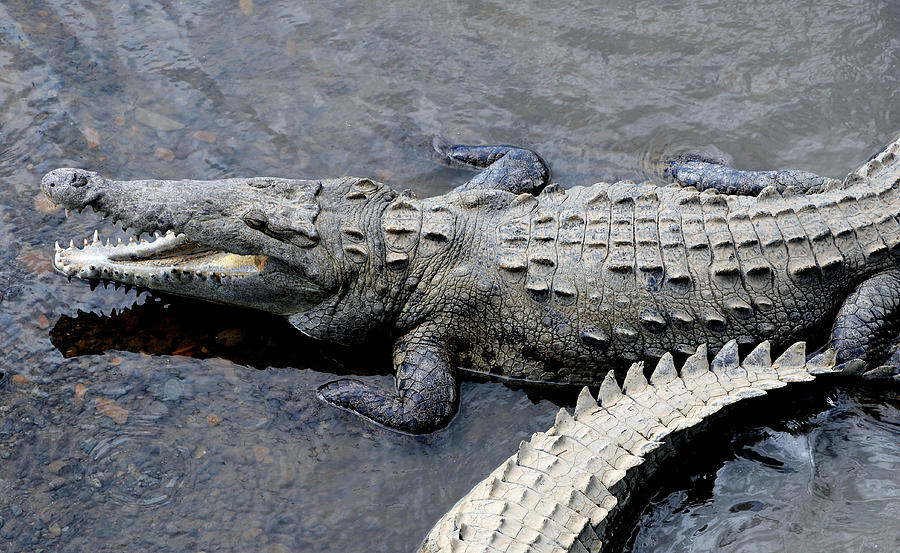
(177, 427)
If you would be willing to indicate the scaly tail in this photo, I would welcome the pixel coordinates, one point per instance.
(568, 490)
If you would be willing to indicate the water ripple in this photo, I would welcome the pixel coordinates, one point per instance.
(136, 466)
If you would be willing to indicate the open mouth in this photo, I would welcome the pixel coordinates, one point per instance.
(145, 262)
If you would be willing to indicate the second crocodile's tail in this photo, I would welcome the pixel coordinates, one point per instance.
(567, 490)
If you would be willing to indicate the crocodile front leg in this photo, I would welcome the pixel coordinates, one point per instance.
(426, 392)
(704, 173)
(509, 168)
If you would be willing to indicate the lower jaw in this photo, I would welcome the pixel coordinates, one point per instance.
(252, 290)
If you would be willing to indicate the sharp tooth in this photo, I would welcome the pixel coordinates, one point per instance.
(96, 236)
(68, 211)
(72, 244)
(131, 240)
(107, 241)
(170, 232)
(157, 234)
(86, 242)
(57, 246)
(119, 241)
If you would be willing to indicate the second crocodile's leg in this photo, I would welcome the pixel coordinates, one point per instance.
(868, 323)
(704, 173)
(426, 394)
(509, 168)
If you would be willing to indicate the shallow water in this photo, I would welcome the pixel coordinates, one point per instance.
(153, 429)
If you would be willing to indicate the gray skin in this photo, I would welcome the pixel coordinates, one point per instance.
(542, 288)
(573, 488)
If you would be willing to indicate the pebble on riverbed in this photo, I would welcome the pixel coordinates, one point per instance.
(261, 453)
(205, 136)
(92, 137)
(164, 154)
(111, 409)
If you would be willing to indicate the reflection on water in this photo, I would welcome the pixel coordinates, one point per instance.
(823, 483)
(152, 429)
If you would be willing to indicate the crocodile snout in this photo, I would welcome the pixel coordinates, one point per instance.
(73, 188)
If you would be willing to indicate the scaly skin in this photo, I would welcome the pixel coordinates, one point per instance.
(570, 489)
(541, 288)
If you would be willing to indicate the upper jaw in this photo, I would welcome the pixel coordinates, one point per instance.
(204, 246)
(78, 189)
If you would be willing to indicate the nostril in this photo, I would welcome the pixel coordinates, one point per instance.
(78, 180)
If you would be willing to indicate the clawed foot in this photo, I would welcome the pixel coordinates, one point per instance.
(508, 168)
(706, 173)
(414, 415)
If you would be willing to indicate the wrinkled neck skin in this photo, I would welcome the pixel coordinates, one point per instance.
(386, 269)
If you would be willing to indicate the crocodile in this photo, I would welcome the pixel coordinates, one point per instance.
(516, 278)
(573, 488)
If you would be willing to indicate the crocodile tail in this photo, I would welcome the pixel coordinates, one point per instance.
(883, 167)
(570, 489)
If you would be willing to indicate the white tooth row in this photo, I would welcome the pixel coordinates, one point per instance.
(96, 242)
(137, 277)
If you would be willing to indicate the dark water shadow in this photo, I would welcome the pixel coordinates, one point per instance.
(171, 325)
(167, 325)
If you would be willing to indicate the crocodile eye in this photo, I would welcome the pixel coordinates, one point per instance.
(256, 219)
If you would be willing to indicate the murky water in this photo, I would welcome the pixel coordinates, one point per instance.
(819, 480)
(152, 429)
